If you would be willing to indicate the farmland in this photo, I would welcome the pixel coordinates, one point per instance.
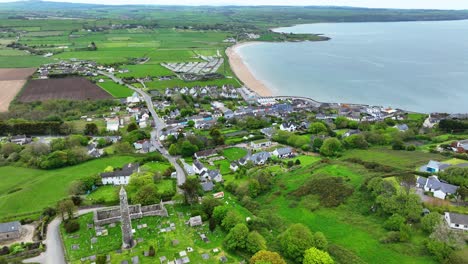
(11, 82)
(116, 90)
(66, 88)
(26, 186)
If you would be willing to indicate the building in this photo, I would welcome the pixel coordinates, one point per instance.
(402, 127)
(283, 152)
(9, 231)
(143, 146)
(234, 166)
(211, 175)
(258, 144)
(120, 176)
(205, 154)
(268, 131)
(460, 146)
(198, 167)
(432, 184)
(289, 126)
(434, 167)
(135, 98)
(195, 221)
(112, 124)
(456, 221)
(260, 158)
(20, 140)
(207, 186)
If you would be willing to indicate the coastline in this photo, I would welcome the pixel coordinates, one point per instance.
(242, 71)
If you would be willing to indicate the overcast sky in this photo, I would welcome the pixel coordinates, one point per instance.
(425, 4)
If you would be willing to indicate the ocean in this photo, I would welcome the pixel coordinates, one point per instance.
(416, 66)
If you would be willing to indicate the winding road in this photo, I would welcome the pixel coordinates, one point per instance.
(55, 252)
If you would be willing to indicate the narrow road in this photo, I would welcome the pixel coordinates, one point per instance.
(55, 253)
(159, 126)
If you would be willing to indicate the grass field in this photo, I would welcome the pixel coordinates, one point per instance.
(233, 154)
(35, 189)
(115, 89)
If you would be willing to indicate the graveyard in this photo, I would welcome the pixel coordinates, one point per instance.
(172, 237)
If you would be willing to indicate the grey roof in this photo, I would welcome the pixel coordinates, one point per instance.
(421, 181)
(460, 219)
(127, 170)
(198, 165)
(260, 157)
(402, 127)
(284, 151)
(268, 131)
(206, 153)
(10, 227)
(207, 186)
(213, 174)
(434, 183)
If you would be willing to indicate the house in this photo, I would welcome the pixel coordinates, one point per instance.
(243, 161)
(143, 146)
(195, 221)
(205, 154)
(198, 167)
(402, 127)
(112, 124)
(234, 166)
(135, 98)
(218, 195)
(268, 131)
(351, 132)
(432, 184)
(207, 186)
(260, 158)
(262, 143)
(460, 146)
(211, 175)
(120, 176)
(456, 221)
(93, 151)
(288, 126)
(434, 167)
(283, 152)
(9, 231)
(20, 140)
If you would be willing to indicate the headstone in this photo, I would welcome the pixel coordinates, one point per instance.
(146, 253)
(139, 240)
(215, 250)
(92, 258)
(108, 258)
(223, 259)
(162, 259)
(112, 225)
(175, 242)
(145, 225)
(205, 256)
(185, 260)
(94, 240)
(183, 253)
(189, 249)
(90, 226)
(124, 262)
(75, 247)
(135, 260)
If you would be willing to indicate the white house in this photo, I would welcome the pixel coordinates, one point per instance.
(112, 124)
(289, 126)
(135, 98)
(211, 175)
(456, 221)
(283, 153)
(198, 167)
(434, 167)
(435, 186)
(262, 143)
(234, 166)
(120, 176)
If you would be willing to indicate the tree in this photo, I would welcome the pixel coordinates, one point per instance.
(255, 242)
(147, 195)
(71, 226)
(316, 256)
(91, 129)
(341, 122)
(331, 147)
(219, 213)
(318, 128)
(191, 123)
(394, 222)
(212, 224)
(209, 204)
(398, 145)
(407, 180)
(151, 251)
(191, 188)
(66, 208)
(317, 144)
(320, 241)
(123, 148)
(101, 259)
(264, 257)
(132, 127)
(430, 221)
(231, 219)
(356, 141)
(237, 237)
(295, 241)
(188, 149)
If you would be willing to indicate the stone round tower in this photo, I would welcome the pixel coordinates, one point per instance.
(126, 224)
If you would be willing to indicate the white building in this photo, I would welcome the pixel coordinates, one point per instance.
(263, 143)
(434, 185)
(456, 221)
(120, 176)
(112, 124)
(135, 98)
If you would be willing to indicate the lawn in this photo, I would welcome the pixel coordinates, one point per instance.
(233, 154)
(116, 90)
(36, 189)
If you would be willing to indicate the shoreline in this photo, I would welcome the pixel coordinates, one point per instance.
(243, 73)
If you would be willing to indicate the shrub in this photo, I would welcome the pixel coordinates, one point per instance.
(390, 237)
(71, 226)
(152, 251)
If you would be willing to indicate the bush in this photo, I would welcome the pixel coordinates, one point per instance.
(390, 237)
(71, 226)
(343, 255)
(4, 251)
(411, 148)
(151, 251)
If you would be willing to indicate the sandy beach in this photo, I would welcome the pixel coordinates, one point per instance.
(243, 73)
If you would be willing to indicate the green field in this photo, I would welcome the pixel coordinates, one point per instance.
(233, 154)
(35, 189)
(116, 90)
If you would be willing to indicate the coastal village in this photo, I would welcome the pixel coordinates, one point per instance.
(181, 155)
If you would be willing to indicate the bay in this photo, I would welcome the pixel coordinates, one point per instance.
(416, 66)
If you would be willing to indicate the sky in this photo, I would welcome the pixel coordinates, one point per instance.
(406, 4)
